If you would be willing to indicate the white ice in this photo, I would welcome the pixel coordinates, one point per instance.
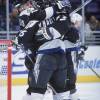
(86, 91)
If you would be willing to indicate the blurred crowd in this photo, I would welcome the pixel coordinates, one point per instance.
(2, 15)
(91, 23)
(12, 20)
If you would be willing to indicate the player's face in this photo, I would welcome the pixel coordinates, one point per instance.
(15, 12)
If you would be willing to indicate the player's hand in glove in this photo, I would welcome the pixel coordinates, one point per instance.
(81, 53)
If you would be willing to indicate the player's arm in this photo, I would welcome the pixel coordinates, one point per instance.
(72, 35)
(48, 12)
(26, 35)
(26, 39)
(23, 20)
(42, 14)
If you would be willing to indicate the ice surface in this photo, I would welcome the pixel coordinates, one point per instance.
(87, 91)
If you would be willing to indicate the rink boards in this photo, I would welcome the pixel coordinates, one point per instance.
(92, 59)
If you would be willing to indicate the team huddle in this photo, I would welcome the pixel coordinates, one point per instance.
(48, 35)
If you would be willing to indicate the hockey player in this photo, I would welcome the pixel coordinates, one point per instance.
(50, 63)
(72, 46)
(71, 35)
(22, 10)
(70, 40)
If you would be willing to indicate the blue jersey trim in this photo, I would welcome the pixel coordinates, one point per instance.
(73, 49)
(49, 51)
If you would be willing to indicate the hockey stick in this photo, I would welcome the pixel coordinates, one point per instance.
(78, 60)
(77, 9)
(80, 7)
(94, 71)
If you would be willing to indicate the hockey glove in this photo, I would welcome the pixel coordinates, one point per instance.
(81, 53)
